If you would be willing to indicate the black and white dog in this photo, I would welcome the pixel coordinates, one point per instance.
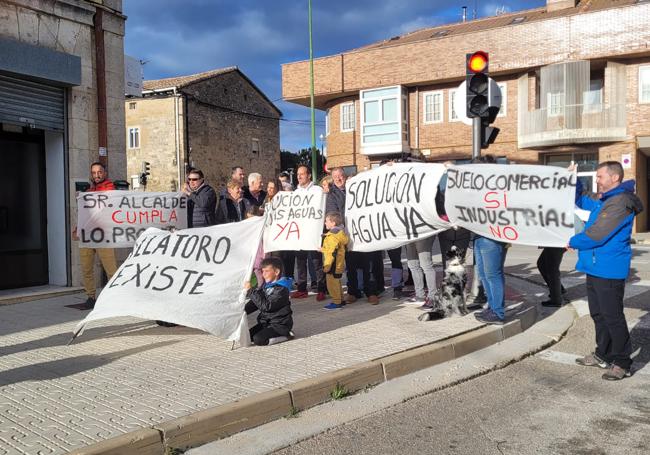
(449, 299)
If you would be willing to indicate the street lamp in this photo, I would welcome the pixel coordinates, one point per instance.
(322, 139)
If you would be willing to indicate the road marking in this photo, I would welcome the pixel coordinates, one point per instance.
(566, 358)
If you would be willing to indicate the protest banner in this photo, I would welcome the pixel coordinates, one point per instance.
(519, 204)
(393, 205)
(115, 219)
(192, 277)
(295, 220)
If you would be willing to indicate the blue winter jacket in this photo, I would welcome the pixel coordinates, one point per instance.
(604, 245)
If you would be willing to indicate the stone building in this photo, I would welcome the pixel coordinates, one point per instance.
(213, 121)
(61, 107)
(575, 79)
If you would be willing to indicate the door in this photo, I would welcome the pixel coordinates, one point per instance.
(23, 224)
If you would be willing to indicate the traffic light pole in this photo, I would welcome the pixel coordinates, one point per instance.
(476, 137)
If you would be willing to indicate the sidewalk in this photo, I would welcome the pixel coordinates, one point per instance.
(125, 374)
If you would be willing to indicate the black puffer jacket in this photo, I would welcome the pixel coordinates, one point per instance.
(200, 207)
(227, 210)
(272, 301)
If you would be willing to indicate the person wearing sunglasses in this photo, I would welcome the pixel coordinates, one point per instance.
(202, 200)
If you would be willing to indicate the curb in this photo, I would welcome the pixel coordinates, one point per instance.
(225, 420)
(38, 295)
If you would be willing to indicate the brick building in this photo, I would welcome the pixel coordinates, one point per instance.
(212, 120)
(61, 109)
(575, 79)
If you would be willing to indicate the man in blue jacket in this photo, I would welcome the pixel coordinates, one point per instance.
(604, 255)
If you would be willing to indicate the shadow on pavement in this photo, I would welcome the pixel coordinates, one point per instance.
(56, 369)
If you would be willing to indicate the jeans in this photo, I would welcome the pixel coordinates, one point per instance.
(397, 269)
(490, 256)
(419, 257)
(605, 297)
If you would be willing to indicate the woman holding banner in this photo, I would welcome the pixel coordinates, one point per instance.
(233, 207)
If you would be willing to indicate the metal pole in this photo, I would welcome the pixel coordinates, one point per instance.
(314, 153)
(476, 137)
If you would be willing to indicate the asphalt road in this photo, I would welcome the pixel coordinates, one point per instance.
(544, 404)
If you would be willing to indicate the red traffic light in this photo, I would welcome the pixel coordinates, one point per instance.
(477, 62)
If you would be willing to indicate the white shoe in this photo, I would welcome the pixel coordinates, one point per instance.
(415, 301)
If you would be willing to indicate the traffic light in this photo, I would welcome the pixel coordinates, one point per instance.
(482, 95)
(145, 172)
(477, 84)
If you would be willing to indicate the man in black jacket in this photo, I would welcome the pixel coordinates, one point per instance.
(274, 322)
(202, 200)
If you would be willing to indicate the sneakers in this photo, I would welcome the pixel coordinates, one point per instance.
(373, 299)
(299, 294)
(592, 360)
(428, 305)
(489, 317)
(333, 306)
(350, 298)
(320, 297)
(90, 303)
(398, 294)
(616, 373)
(416, 301)
(550, 303)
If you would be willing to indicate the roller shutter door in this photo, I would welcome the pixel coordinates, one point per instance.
(25, 102)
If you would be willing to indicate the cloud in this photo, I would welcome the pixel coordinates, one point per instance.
(179, 37)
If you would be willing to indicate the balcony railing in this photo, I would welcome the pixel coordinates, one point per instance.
(572, 124)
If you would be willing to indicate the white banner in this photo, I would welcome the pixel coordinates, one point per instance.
(192, 277)
(392, 205)
(520, 204)
(295, 220)
(115, 219)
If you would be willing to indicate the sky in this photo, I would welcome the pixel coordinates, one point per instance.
(180, 37)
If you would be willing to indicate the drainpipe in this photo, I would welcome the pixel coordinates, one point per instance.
(188, 161)
(176, 140)
(100, 72)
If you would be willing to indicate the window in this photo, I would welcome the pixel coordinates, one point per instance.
(255, 145)
(134, 138)
(327, 122)
(347, 117)
(432, 107)
(593, 98)
(644, 84)
(504, 99)
(382, 121)
(555, 104)
(453, 117)
(132, 106)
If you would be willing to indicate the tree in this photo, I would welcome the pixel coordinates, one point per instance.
(290, 160)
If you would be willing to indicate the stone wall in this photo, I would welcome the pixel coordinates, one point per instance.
(156, 120)
(221, 136)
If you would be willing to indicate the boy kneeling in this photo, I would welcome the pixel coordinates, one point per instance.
(274, 323)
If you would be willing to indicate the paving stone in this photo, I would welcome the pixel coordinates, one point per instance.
(125, 374)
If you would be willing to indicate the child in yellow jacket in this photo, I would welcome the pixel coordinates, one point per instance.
(334, 243)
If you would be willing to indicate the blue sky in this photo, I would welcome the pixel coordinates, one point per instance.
(178, 37)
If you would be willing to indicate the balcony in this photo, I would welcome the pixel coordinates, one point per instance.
(577, 105)
(575, 124)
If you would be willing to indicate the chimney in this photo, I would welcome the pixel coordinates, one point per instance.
(555, 5)
(464, 14)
